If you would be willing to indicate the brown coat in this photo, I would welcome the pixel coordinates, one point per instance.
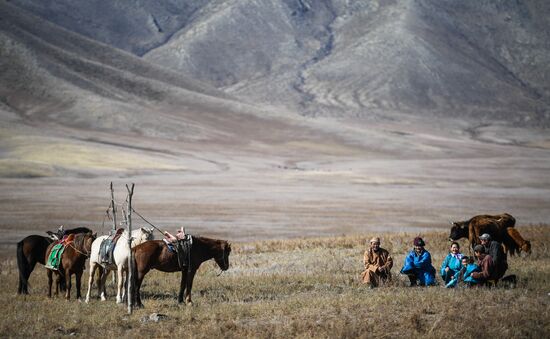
(374, 260)
(488, 269)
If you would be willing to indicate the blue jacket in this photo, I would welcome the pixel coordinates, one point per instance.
(452, 263)
(468, 273)
(418, 263)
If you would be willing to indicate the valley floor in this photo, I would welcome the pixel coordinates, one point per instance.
(298, 288)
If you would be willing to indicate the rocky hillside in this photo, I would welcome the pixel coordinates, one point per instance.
(484, 61)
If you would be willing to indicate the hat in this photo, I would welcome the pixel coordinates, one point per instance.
(479, 248)
(418, 242)
(485, 236)
(375, 239)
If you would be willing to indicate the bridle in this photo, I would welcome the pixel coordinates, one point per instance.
(87, 255)
(224, 259)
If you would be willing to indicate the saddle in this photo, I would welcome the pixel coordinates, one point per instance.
(107, 248)
(182, 248)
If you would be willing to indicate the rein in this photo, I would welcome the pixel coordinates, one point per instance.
(87, 255)
(223, 260)
(147, 221)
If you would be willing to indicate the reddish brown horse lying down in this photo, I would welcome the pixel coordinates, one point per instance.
(156, 255)
(73, 261)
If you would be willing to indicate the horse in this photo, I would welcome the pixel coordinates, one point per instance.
(32, 250)
(120, 258)
(156, 255)
(73, 261)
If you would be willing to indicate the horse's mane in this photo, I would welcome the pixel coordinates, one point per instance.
(210, 242)
(79, 239)
(78, 230)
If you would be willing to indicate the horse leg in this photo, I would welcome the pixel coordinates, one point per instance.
(103, 283)
(100, 271)
(137, 288)
(78, 280)
(50, 281)
(182, 285)
(24, 277)
(59, 278)
(188, 287)
(120, 293)
(68, 283)
(93, 267)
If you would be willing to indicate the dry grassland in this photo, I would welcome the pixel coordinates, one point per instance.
(298, 288)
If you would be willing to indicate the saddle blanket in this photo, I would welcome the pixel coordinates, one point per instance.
(54, 259)
(107, 247)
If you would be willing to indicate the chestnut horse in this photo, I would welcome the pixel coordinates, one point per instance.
(73, 261)
(32, 250)
(156, 255)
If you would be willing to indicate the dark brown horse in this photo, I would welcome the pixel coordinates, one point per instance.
(32, 250)
(156, 255)
(73, 261)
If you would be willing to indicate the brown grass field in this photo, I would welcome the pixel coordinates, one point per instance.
(298, 288)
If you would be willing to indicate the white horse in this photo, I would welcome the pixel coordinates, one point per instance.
(120, 259)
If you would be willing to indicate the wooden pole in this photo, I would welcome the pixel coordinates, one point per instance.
(113, 231)
(131, 256)
(113, 206)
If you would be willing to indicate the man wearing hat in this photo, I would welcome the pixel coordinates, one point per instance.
(495, 250)
(378, 264)
(418, 265)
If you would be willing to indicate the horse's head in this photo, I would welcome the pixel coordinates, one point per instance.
(526, 247)
(222, 257)
(147, 234)
(88, 239)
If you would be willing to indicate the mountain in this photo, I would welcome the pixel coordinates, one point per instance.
(485, 61)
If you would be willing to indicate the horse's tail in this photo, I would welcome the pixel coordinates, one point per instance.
(24, 270)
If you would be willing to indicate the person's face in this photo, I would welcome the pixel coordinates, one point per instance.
(484, 241)
(464, 262)
(418, 249)
(455, 249)
(375, 246)
(477, 254)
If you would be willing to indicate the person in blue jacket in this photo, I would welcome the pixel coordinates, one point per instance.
(464, 276)
(451, 264)
(418, 265)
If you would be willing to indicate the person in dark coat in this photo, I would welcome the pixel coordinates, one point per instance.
(495, 250)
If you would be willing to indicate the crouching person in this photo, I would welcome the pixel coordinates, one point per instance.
(489, 274)
(378, 263)
(418, 265)
(464, 276)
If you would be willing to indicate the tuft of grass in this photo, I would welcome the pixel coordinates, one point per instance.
(298, 288)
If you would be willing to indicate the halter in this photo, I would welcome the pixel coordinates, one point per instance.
(87, 255)
(224, 259)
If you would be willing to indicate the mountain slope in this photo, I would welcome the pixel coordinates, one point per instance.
(484, 61)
